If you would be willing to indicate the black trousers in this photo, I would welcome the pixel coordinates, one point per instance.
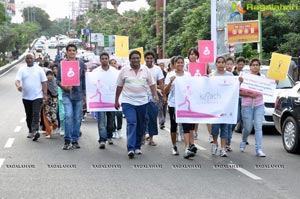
(33, 111)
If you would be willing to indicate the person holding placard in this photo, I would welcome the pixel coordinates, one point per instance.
(253, 113)
(221, 129)
(72, 99)
(105, 118)
(190, 148)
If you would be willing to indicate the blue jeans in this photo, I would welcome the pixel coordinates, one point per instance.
(221, 129)
(119, 116)
(73, 115)
(105, 125)
(250, 116)
(135, 117)
(230, 129)
(151, 119)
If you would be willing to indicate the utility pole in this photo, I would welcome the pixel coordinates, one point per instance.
(164, 29)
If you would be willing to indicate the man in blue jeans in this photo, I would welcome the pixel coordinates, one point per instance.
(105, 119)
(132, 83)
(152, 108)
(72, 100)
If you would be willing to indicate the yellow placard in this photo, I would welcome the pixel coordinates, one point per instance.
(279, 66)
(122, 46)
(141, 50)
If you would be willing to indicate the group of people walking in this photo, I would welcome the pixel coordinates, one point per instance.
(147, 91)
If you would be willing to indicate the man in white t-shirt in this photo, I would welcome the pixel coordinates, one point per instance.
(152, 108)
(32, 82)
(106, 118)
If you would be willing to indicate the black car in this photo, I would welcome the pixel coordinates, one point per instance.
(286, 117)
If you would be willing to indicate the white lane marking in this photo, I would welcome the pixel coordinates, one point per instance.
(249, 174)
(9, 143)
(23, 120)
(1, 161)
(17, 129)
(200, 147)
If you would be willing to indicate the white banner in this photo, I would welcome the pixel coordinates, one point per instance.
(212, 100)
(258, 84)
(101, 90)
(98, 37)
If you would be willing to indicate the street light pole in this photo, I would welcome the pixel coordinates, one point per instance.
(164, 29)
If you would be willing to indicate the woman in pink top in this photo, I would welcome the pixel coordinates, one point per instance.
(252, 113)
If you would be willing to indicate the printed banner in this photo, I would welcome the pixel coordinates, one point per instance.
(70, 73)
(206, 51)
(101, 90)
(98, 37)
(141, 50)
(211, 100)
(279, 66)
(258, 84)
(243, 32)
(121, 46)
(197, 69)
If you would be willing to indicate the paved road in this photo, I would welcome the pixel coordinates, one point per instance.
(95, 173)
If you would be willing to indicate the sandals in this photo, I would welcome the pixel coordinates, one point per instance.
(228, 149)
(152, 143)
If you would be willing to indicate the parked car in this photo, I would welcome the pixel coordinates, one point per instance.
(287, 118)
(52, 44)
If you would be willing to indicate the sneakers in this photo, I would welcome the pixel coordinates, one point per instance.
(242, 146)
(131, 154)
(109, 140)
(119, 133)
(75, 145)
(48, 136)
(188, 153)
(193, 148)
(175, 151)
(196, 136)
(36, 136)
(223, 153)
(102, 145)
(30, 135)
(67, 146)
(62, 132)
(214, 149)
(138, 152)
(210, 139)
(114, 135)
(260, 153)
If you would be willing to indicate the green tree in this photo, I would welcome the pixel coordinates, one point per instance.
(36, 15)
(3, 17)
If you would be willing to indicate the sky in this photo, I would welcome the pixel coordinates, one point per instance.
(62, 8)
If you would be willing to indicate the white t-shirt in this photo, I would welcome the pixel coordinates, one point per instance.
(171, 97)
(31, 79)
(157, 74)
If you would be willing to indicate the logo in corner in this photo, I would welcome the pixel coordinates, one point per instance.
(237, 9)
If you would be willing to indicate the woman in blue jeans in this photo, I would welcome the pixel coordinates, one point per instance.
(252, 113)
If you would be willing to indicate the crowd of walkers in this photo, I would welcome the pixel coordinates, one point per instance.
(148, 92)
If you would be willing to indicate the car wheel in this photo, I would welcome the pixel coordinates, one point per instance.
(290, 136)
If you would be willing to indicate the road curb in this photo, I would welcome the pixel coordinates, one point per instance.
(9, 66)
